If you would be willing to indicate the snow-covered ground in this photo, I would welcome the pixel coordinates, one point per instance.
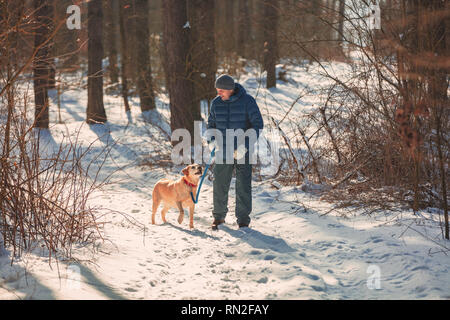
(297, 246)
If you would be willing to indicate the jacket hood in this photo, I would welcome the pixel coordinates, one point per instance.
(239, 92)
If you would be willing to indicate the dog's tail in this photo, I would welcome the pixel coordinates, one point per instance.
(156, 201)
(156, 198)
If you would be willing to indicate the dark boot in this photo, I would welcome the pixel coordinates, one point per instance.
(216, 223)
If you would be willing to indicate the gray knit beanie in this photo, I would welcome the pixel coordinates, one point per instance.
(225, 82)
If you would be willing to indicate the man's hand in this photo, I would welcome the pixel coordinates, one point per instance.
(240, 152)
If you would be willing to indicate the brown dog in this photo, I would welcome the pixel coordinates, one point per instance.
(177, 194)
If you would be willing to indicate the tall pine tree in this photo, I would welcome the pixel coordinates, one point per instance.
(144, 70)
(270, 41)
(41, 66)
(95, 108)
(178, 67)
(201, 18)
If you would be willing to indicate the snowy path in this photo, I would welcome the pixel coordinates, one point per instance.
(290, 252)
(285, 255)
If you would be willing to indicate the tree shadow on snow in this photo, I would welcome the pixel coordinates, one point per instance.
(95, 282)
(17, 279)
(112, 148)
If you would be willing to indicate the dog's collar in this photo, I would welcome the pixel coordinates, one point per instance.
(189, 184)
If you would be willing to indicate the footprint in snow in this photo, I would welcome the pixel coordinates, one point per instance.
(262, 280)
(420, 268)
(336, 226)
(374, 239)
(264, 194)
(317, 288)
(229, 255)
(312, 276)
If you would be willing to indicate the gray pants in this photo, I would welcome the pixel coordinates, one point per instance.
(221, 186)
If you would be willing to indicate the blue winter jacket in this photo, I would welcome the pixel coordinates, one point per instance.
(239, 112)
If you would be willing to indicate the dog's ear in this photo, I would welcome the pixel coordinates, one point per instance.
(185, 171)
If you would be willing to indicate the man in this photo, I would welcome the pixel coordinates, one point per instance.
(234, 109)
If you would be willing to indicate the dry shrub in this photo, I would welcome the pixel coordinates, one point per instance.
(45, 189)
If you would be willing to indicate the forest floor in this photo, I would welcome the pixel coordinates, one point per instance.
(297, 247)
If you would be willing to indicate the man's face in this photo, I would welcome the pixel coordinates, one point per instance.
(224, 94)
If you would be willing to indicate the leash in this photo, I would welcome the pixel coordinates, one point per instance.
(203, 176)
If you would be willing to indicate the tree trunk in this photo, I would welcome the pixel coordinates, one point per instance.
(144, 77)
(438, 95)
(201, 17)
(228, 28)
(123, 53)
(95, 108)
(253, 45)
(341, 21)
(111, 37)
(52, 51)
(12, 14)
(183, 109)
(41, 69)
(66, 40)
(243, 33)
(270, 41)
(132, 41)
